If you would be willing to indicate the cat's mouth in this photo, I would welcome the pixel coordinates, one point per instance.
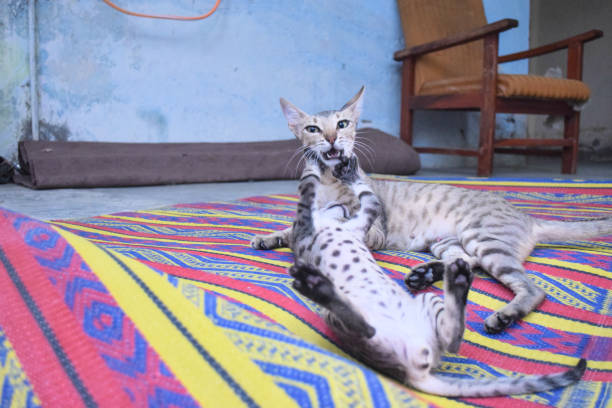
(332, 154)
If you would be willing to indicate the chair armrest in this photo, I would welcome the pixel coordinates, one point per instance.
(552, 47)
(473, 35)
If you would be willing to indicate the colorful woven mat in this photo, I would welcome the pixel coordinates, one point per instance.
(172, 307)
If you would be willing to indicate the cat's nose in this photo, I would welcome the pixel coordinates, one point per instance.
(331, 139)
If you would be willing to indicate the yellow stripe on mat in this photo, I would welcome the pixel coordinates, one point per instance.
(122, 235)
(213, 371)
(571, 265)
(180, 223)
(279, 315)
(560, 209)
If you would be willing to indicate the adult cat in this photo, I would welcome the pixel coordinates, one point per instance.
(481, 228)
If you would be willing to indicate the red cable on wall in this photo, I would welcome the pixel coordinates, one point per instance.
(131, 13)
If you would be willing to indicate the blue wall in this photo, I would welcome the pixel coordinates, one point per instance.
(105, 76)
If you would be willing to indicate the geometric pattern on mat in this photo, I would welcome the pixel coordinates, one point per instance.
(263, 341)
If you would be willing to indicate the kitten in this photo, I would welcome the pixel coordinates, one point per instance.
(480, 228)
(379, 322)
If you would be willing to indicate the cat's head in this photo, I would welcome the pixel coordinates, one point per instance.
(330, 135)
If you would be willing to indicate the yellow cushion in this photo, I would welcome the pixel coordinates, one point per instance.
(513, 86)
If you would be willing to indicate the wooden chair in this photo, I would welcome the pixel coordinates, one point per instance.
(450, 63)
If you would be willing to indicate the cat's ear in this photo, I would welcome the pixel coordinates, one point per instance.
(295, 117)
(355, 104)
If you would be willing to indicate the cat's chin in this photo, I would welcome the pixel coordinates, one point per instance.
(330, 162)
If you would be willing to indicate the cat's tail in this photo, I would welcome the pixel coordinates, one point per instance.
(549, 230)
(470, 388)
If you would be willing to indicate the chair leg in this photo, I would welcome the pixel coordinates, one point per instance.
(569, 155)
(406, 125)
(487, 105)
(485, 151)
(407, 93)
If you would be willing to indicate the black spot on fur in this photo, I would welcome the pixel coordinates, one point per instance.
(356, 259)
(333, 266)
(336, 253)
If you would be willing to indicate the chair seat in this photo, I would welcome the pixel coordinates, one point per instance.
(513, 86)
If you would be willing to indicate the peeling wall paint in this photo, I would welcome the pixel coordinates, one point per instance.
(105, 76)
(14, 75)
(112, 77)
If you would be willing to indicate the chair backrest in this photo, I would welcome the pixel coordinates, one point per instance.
(429, 20)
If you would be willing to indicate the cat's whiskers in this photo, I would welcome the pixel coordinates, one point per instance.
(363, 140)
(366, 151)
(299, 151)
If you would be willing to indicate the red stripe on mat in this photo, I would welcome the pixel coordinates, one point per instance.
(49, 378)
(578, 276)
(269, 200)
(503, 402)
(300, 312)
(517, 364)
(43, 370)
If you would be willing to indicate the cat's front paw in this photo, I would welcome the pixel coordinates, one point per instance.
(346, 170)
(265, 242)
(423, 275)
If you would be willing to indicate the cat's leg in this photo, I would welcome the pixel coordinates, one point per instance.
(527, 295)
(501, 258)
(376, 238)
(450, 323)
(277, 239)
(310, 282)
(370, 208)
(447, 250)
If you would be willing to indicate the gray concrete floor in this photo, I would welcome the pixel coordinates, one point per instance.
(80, 203)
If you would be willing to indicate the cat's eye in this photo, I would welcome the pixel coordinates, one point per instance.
(342, 124)
(312, 129)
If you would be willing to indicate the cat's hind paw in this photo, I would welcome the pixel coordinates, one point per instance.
(311, 283)
(423, 275)
(498, 322)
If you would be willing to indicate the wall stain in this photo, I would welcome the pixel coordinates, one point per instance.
(157, 123)
(48, 132)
